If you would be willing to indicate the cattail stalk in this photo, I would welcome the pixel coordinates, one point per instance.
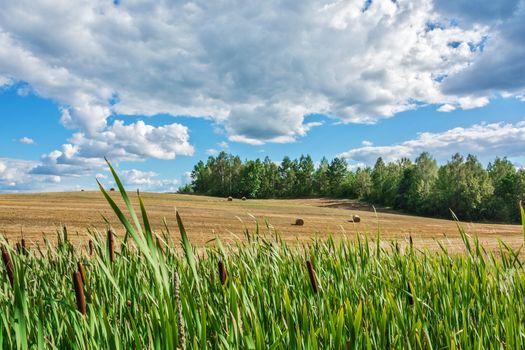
(223, 274)
(8, 265)
(79, 292)
(313, 280)
(111, 246)
(182, 336)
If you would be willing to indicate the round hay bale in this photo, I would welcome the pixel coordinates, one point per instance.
(356, 218)
(82, 190)
(243, 198)
(299, 222)
(230, 198)
(112, 189)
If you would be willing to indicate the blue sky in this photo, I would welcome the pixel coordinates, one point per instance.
(155, 87)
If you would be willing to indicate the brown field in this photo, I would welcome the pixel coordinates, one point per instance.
(208, 217)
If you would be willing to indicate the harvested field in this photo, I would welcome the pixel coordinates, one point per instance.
(207, 217)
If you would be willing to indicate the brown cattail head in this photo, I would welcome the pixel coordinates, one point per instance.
(90, 244)
(8, 265)
(18, 248)
(23, 244)
(410, 296)
(223, 274)
(82, 271)
(411, 242)
(311, 273)
(79, 293)
(111, 246)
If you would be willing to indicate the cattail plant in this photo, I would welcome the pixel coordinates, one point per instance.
(111, 246)
(223, 274)
(23, 246)
(90, 245)
(79, 292)
(82, 271)
(311, 273)
(8, 265)
(182, 335)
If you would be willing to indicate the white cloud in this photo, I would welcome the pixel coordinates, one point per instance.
(118, 141)
(26, 140)
(367, 143)
(18, 175)
(501, 67)
(256, 69)
(446, 108)
(223, 145)
(147, 181)
(15, 175)
(5, 81)
(484, 140)
(472, 102)
(212, 152)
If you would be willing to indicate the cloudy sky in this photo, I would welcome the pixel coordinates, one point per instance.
(156, 86)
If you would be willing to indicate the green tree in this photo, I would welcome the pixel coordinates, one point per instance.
(503, 205)
(417, 184)
(378, 181)
(304, 177)
(336, 174)
(462, 186)
(363, 183)
(286, 177)
(269, 180)
(251, 178)
(321, 185)
(201, 178)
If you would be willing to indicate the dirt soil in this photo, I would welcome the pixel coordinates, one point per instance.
(34, 215)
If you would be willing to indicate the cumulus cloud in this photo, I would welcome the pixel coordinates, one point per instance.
(119, 141)
(26, 140)
(484, 11)
(501, 67)
(254, 68)
(147, 181)
(15, 175)
(485, 140)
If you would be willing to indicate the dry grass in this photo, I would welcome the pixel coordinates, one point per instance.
(206, 217)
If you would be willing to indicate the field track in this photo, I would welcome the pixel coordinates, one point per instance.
(207, 217)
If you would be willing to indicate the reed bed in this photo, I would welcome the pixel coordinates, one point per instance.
(142, 290)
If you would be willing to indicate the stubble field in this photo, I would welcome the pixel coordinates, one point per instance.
(34, 215)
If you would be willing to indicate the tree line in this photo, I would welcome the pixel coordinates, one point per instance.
(421, 187)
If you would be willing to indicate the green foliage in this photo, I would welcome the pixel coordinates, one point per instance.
(463, 186)
(422, 187)
(370, 295)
